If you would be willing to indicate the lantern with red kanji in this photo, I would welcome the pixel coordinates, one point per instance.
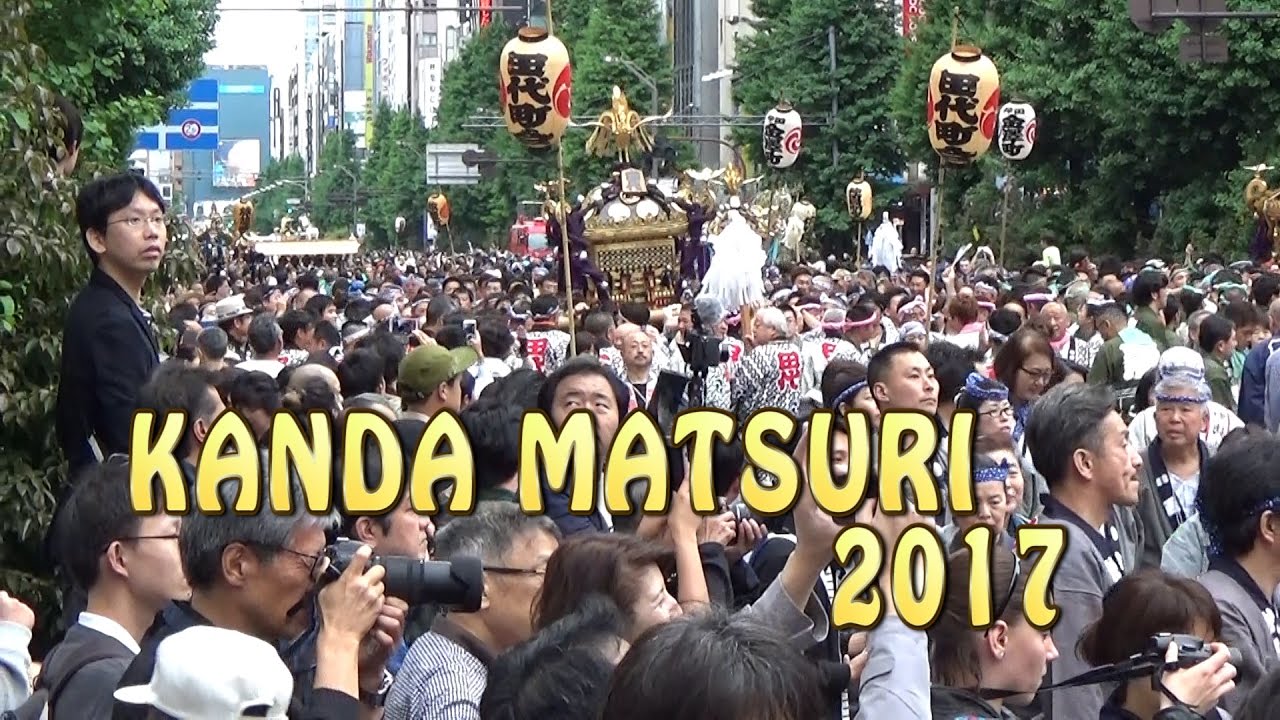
(782, 135)
(964, 101)
(535, 87)
(1016, 130)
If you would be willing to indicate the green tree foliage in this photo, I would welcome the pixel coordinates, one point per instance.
(394, 177)
(287, 180)
(123, 62)
(788, 59)
(42, 266)
(337, 188)
(621, 30)
(1124, 127)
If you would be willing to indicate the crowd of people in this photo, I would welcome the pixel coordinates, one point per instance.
(1128, 403)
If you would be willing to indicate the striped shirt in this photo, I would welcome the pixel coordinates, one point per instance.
(439, 680)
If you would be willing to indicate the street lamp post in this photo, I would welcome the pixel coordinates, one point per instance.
(648, 81)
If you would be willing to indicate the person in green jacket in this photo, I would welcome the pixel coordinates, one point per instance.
(1147, 295)
(1217, 343)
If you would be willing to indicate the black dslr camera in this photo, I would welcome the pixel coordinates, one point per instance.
(1191, 650)
(457, 584)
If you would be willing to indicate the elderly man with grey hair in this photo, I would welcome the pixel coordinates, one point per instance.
(257, 574)
(266, 344)
(1189, 363)
(446, 671)
(772, 374)
(1174, 462)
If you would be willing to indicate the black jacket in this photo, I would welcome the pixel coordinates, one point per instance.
(109, 350)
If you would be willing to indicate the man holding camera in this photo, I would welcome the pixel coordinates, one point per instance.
(259, 575)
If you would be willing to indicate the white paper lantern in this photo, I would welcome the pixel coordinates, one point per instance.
(782, 136)
(1016, 130)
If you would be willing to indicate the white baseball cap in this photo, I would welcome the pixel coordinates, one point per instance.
(209, 673)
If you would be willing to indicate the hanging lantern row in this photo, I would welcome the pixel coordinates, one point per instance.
(858, 196)
(535, 87)
(1016, 130)
(782, 136)
(964, 100)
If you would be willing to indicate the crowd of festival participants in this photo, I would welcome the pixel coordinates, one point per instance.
(1128, 402)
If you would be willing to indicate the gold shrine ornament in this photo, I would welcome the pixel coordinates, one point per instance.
(964, 104)
(858, 197)
(535, 87)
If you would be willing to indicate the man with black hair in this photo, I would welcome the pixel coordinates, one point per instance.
(109, 346)
(299, 330)
(1080, 446)
(130, 567)
(1217, 340)
(1147, 296)
(66, 153)
(361, 372)
(1239, 501)
(1125, 356)
(575, 655)
(494, 431)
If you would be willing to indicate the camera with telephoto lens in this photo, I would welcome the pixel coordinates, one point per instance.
(456, 584)
(1192, 650)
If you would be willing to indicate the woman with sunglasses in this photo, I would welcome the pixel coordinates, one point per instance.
(976, 673)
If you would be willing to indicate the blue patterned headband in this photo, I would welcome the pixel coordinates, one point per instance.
(1215, 533)
(973, 388)
(1200, 399)
(995, 473)
(849, 393)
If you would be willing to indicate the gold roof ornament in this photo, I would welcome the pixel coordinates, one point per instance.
(619, 130)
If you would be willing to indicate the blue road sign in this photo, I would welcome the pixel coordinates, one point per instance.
(194, 127)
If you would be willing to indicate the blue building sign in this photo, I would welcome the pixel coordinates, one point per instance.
(194, 127)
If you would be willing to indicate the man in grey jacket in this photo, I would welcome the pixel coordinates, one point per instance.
(1080, 446)
(1239, 502)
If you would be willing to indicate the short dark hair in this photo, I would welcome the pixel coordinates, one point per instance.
(1146, 286)
(952, 365)
(880, 364)
(561, 672)
(72, 129)
(714, 660)
(180, 387)
(1213, 330)
(360, 372)
(254, 391)
(1238, 484)
(1143, 604)
(97, 514)
(494, 432)
(1063, 420)
(106, 195)
(293, 322)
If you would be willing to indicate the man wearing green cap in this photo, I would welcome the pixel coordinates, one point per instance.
(430, 380)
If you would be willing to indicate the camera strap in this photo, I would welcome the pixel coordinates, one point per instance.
(1136, 666)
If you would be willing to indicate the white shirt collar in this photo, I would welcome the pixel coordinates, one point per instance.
(110, 628)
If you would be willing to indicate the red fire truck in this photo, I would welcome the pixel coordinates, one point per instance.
(529, 236)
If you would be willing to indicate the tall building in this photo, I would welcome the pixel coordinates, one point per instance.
(244, 135)
(411, 50)
(703, 36)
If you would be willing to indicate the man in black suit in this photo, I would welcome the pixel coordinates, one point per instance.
(109, 346)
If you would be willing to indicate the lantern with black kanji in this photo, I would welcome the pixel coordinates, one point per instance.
(858, 196)
(781, 142)
(438, 206)
(1016, 130)
(535, 86)
(964, 100)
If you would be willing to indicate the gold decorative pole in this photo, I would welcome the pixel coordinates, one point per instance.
(562, 203)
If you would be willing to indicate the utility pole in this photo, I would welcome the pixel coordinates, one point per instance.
(409, 59)
(835, 92)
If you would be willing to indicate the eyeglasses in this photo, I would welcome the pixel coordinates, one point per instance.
(316, 563)
(1041, 375)
(1004, 411)
(514, 571)
(136, 222)
(131, 538)
(1013, 585)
